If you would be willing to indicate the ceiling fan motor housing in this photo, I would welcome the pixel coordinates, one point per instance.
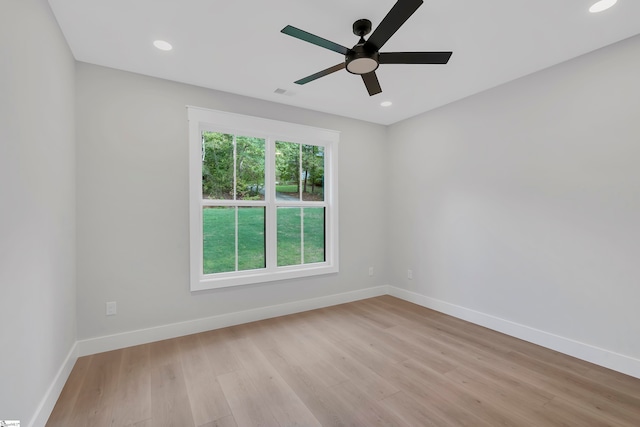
(360, 60)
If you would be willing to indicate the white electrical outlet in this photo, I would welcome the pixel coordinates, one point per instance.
(112, 309)
(410, 274)
(370, 271)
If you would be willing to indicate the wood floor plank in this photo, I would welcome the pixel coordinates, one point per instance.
(412, 412)
(247, 407)
(339, 367)
(325, 372)
(169, 399)
(345, 365)
(321, 401)
(525, 409)
(207, 400)
(393, 350)
(514, 365)
(375, 386)
(381, 361)
(95, 402)
(593, 398)
(437, 351)
(214, 345)
(617, 380)
(558, 412)
(598, 390)
(479, 405)
(365, 411)
(296, 345)
(227, 421)
(441, 404)
(170, 403)
(393, 313)
(285, 405)
(375, 319)
(144, 423)
(133, 402)
(326, 320)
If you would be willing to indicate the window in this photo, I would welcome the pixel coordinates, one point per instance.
(263, 200)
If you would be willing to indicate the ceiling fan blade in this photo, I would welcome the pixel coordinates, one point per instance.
(319, 74)
(397, 16)
(371, 82)
(414, 57)
(313, 39)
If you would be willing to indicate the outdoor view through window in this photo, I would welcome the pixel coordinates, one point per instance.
(241, 188)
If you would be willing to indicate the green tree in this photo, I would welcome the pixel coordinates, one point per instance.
(312, 166)
(288, 163)
(250, 168)
(217, 165)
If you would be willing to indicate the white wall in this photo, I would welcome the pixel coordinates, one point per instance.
(132, 195)
(523, 202)
(37, 205)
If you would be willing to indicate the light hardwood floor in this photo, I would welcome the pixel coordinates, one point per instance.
(381, 361)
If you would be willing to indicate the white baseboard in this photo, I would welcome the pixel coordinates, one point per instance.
(173, 330)
(608, 359)
(51, 396)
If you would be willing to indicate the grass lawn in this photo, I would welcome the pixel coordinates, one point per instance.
(219, 238)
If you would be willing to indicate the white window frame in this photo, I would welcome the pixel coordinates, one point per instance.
(201, 120)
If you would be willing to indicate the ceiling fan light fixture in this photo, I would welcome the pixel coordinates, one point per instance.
(602, 5)
(362, 66)
(360, 61)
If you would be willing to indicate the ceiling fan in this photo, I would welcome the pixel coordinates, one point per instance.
(365, 57)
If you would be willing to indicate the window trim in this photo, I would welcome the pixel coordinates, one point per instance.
(202, 119)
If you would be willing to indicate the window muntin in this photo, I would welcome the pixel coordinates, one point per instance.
(263, 206)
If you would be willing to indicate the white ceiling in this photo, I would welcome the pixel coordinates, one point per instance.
(236, 46)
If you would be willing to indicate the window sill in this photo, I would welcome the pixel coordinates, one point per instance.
(258, 276)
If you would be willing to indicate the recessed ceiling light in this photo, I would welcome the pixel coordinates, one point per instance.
(602, 5)
(386, 103)
(162, 45)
